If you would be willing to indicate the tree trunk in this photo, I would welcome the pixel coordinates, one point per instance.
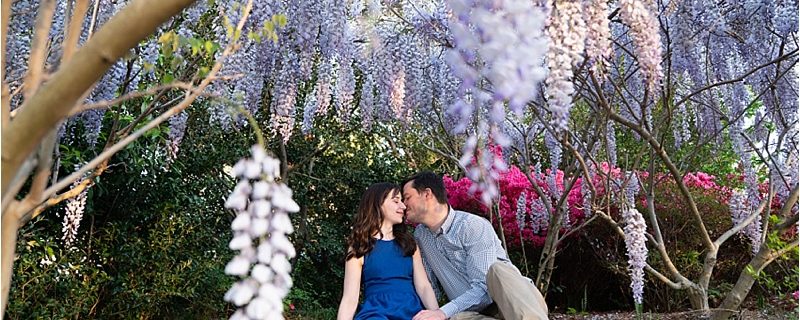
(698, 297)
(10, 227)
(739, 292)
(547, 258)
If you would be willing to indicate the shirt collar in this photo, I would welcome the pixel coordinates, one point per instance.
(448, 222)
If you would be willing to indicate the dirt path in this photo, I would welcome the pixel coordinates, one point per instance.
(744, 315)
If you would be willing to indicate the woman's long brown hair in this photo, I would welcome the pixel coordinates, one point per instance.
(368, 222)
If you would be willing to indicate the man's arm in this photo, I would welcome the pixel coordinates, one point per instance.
(480, 254)
(437, 289)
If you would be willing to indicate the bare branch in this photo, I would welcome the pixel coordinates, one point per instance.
(133, 95)
(672, 284)
(776, 254)
(74, 29)
(5, 96)
(446, 155)
(737, 79)
(575, 229)
(43, 171)
(17, 182)
(756, 213)
(677, 176)
(33, 210)
(39, 47)
(94, 18)
(787, 208)
(189, 98)
(53, 102)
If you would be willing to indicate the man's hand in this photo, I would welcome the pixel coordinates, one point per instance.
(437, 314)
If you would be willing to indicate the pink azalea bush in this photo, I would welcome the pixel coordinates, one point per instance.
(512, 185)
(710, 195)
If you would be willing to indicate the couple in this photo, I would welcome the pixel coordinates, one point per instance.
(458, 250)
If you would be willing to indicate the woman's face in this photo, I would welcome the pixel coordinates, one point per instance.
(393, 208)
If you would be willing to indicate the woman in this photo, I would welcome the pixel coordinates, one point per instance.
(384, 256)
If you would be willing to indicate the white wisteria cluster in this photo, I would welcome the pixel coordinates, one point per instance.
(260, 230)
(598, 35)
(73, 216)
(635, 244)
(740, 210)
(567, 31)
(644, 30)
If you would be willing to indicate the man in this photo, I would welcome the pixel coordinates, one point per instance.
(463, 252)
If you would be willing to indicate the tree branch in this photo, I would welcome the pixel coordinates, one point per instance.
(70, 43)
(133, 95)
(5, 96)
(43, 111)
(737, 79)
(39, 47)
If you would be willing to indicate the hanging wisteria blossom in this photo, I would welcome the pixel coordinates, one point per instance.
(635, 244)
(567, 31)
(73, 216)
(740, 210)
(260, 232)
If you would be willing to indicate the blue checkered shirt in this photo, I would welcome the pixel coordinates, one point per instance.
(459, 256)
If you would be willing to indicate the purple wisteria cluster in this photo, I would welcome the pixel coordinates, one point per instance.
(318, 101)
(177, 128)
(284, 96)
(497, 54)
(586, 183)
(611, 144)
(521, 210)
(260, 232)
(540, 217)
(396, 65)
(636, 246)
(740, 210)
(555, 150)
(483, 166)
(367, 103)
(502, 42)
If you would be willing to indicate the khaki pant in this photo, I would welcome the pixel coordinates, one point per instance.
(515, 296)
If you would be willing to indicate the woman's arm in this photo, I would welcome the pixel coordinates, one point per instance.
(422, 285)
(352, 285)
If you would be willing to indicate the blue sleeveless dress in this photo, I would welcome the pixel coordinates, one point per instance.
(388, 284)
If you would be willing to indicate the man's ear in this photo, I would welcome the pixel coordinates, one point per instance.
(428, 193)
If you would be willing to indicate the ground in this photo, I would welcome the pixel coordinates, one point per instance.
(744, 315)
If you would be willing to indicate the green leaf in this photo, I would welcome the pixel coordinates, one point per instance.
(168, 78)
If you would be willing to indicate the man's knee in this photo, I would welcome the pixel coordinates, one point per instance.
(501, 269)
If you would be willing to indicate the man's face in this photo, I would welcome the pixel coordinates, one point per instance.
(414, 202)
